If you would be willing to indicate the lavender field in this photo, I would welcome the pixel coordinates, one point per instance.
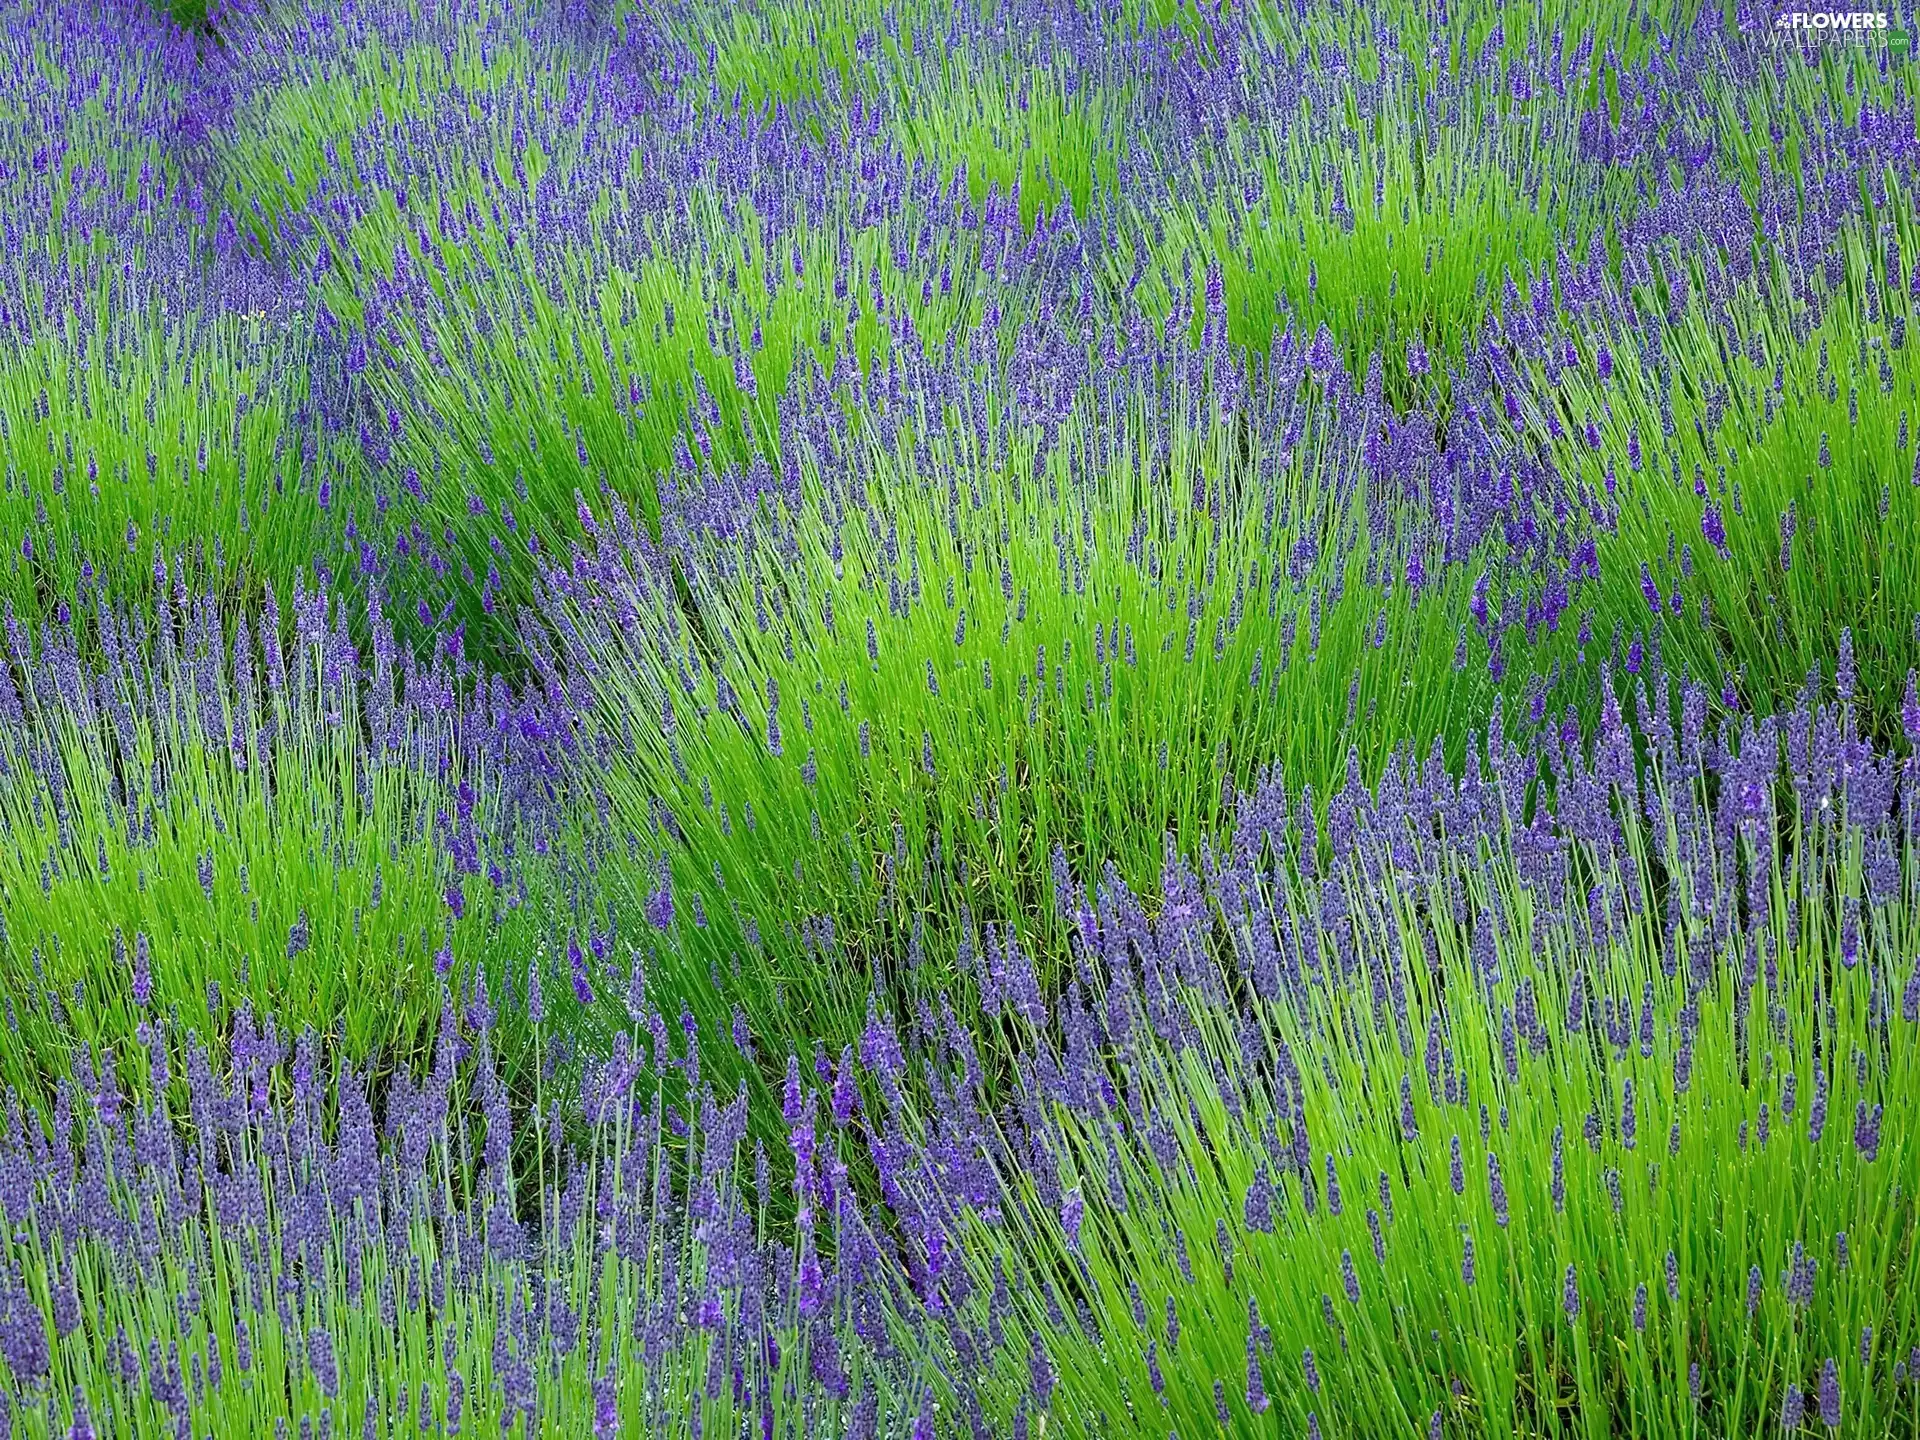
(959, 718)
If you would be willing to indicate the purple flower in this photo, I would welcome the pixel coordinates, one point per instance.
(1321, 354)
(577, 967)
(606, 1406)
(1866, 1130)
(660, 900)
(142, 971)
(846, 1097)
(1830, 1395)
(1039, 1371)
(1258, 1210)
(1558, 1179)
(1311, 1370)
(1570, 1295)
(791, 1098)
(1073, 1211)
(1714, 529)
(1257, 1400)
(23, 1337)
(1800, 1277)
(320, 1358)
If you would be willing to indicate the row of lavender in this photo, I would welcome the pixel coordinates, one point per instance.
(1620, 1067)
(154, 389)
(588, 200)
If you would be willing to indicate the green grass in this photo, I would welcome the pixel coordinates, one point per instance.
(1208, 667)
(1322, 1064)
(204, 818)
(1790, 411)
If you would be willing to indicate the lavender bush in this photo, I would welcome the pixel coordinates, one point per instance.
(873, 696)
(207, 814)
(1391, 1118)
(154, 395)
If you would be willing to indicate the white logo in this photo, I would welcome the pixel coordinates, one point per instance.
(1832, 20)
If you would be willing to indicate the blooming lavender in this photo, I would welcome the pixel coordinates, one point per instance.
(1055, 572)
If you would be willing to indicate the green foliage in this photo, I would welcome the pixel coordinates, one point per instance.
(1706, 1171)
(1078, 650)
(1784, 414)
(275, 859)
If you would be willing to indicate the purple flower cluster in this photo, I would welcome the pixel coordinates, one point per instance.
(156, 360)
(641, 1254)
(736, 414)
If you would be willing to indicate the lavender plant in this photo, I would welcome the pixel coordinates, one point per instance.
(1749, 425)
(1379, 193)
(973, 630)
(297, 90)
(205, 815)
(153, 392)
(1540, 1081)
(1556, 1099)
(622, 211)
(255, 1246)
(997, 719)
